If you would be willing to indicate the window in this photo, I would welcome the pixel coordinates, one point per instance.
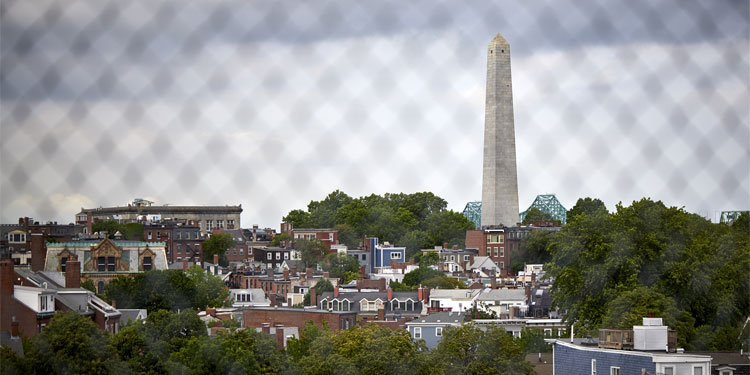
(101, 264)
(147, 263)
(209, 225)
(669, 371)
(242, 251)
(548, 332)
(502, 251)
(149, 236)
(230, 224)
(324, 304)
(286, 255)
(726, 372)
(466, 258)
(111, 264)
(345, 305)
(158, 235)
(278, 256)
(417, 332)
(395, 255)
(179, 235)
(220, 224)
(42, 303)
(100, 287)
(697, 370)
(335, 305)
(614, 370)
(593, 367)
(439, 331)
(179, 249)
(269, 256)
(330, 237)
(234, 251)
(63, 261)
(453, 258)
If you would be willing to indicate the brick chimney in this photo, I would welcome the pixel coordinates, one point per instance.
(14, 331)
(266, 328)
(280, 335)
(313, 297)
(390, 294)
(527, 289)
(6, 294)
(381, 314)
(294, 271)
(336, 291)
(38, 251)
(493, 283)
(216, 259)
(420, 294)
(73, 273)
(308, 273)
(286, 274)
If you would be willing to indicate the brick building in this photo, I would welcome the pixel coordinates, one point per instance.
(272, 257)
(256, 317)
(207, 218)
(327, 236)
(186, 244)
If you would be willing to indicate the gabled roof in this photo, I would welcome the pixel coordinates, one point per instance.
(503, 294)
(454, 294)
(447, 317)
(480, 261)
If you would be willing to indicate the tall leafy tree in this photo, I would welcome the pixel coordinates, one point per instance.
(217, 244)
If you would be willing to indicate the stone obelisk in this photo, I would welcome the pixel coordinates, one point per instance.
(499, 177)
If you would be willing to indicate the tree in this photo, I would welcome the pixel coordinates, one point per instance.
(430, 259)
(586, 206)
(132, 231)
(71, 343)
(298, 218)
(111, 226)
(210, 291)
(341, 266)
(534, 215)
(533, 250)
(217, 244)
(279, 238)
(311, 251)
(469, 350)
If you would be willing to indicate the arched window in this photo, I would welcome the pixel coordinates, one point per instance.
(409, 305)
(345, 306)
(394, 304)
(324, 304)
(100, 287)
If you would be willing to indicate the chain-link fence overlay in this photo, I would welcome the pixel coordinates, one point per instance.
(274, 103)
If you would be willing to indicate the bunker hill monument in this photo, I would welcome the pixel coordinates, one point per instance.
(499, 177)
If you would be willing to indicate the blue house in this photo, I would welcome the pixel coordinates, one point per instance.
(650, 351)
(383, 255)
(430, 328)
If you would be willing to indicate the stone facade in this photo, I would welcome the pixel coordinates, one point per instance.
(499, 180)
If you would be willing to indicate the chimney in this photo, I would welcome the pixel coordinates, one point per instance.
(184, 264)
(294, 271)
(73, 273)
(381, 314)
(38, 251)
(280, 336)
(6, 293)
(445, 245)
(266, 328)
(308, 273)
(420, 294)
(390, 294)
(313, 297)
(14, 328)
(216, 259)
(336, 291)
(394, 264)
(286, 274)
(493, 283)
(114, 304)
(527, 289)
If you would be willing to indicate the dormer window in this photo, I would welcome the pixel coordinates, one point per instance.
(147, 263)
(63, 261)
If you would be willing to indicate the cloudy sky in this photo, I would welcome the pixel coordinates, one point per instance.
(271, 104)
